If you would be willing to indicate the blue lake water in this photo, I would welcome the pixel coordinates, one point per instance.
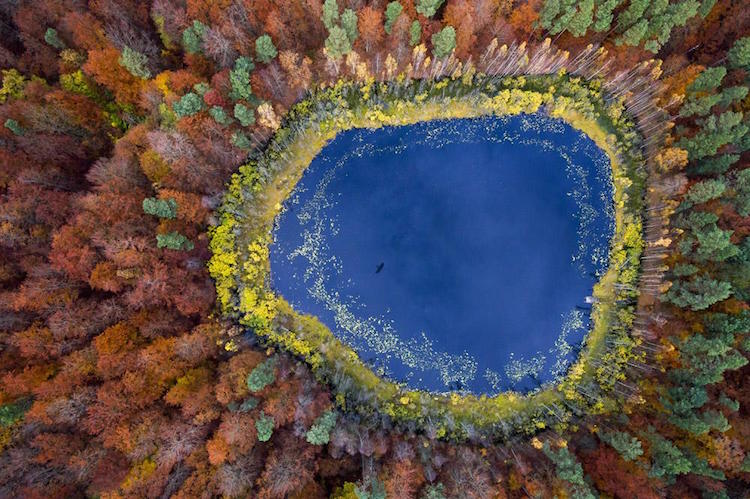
(451, 255)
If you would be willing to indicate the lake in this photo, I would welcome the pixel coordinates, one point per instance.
(454, 254)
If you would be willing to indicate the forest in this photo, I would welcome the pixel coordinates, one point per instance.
(145, 148)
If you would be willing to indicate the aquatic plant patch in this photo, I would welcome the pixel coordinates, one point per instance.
(255, 196)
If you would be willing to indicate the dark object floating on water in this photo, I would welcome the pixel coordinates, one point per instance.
(380, 267)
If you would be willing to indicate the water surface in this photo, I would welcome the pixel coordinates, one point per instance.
(451, 254)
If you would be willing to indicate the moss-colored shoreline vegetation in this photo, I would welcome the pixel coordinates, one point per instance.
(240, 263)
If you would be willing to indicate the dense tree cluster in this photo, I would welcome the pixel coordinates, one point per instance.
(122, 121)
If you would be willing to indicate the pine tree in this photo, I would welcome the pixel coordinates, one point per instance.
(14, 126)
(699, 106)
(162, 208)
(219, 115)
(392, 11)
(415, 33)
(705, 8)
(632, 14)
(174, 241)
(337, 43)
(349, 23)
(714, 165)
(705, 191)
(263, 375)
(135, 62)
(698, 293)
(604, 15)
(265, 49)
(739, 54)
(666, 459)
(51, 37)
(714, 245)
(330, 13)
(569, 469)
(428, 7)
(634, 34)
(264, 427)
(742, 192)
(443, 42)
(434, 491)
(625, 444)
(709, 79)
(732, 94)
(12, 413)
(548, 14)
(714, 133)
(584, 16)
(319, 432)
(188, 105)
(240, 140)
(192, 37)
(239, 78)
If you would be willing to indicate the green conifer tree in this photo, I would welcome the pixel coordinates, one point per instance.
(443, 42)
(265, 49)
(135, 62)
(264, 427)
(263, 375)
(162, 208)
(392, 11)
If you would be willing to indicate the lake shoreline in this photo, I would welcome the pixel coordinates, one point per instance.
(240, 264)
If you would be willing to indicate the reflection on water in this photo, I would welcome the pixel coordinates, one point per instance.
(451, 254)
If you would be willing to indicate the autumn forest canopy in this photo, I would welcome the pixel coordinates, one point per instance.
(150, 155)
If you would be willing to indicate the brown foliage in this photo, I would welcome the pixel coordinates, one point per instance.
(403, 479)
(290, 467)
(102, 65)
(616, 477)
(370, 26)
